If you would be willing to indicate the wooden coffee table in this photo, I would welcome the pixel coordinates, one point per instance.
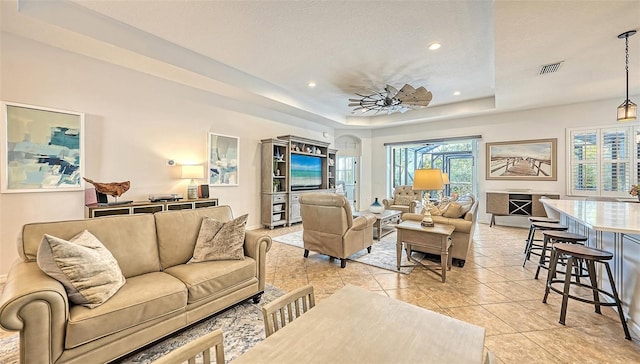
(384, 221)
(436, 240)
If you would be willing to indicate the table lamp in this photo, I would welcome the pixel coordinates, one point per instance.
(445, 181)
(427, 180)
(192, 172)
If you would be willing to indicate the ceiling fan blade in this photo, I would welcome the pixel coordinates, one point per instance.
(405, 91)
(391, 91)
(354, 104)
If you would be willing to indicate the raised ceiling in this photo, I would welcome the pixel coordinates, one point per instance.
(266, 52)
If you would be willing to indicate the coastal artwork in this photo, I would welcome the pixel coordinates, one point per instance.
(223, 160)
(522, 160)
(43, 149)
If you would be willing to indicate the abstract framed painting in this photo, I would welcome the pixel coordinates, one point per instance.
(224, 159)
(42, 150)
(525, 160)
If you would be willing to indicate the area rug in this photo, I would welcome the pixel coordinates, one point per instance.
(383, 252)
(242, 325)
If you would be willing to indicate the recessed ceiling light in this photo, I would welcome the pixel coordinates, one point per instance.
(433, 46)
(311, 84)
(456, 93)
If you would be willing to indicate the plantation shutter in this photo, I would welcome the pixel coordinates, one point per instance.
(584, 161)
(615, 171)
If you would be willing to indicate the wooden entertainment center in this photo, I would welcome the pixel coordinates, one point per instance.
(283, 180)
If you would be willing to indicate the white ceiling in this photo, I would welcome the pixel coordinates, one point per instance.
(265, 52)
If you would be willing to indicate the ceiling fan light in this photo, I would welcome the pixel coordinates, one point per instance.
(627, 111)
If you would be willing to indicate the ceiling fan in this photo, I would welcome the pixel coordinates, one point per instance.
(391, 100)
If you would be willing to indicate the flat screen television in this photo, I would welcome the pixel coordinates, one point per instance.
(306, 172)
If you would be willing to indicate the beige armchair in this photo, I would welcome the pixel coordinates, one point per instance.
(404, 199)
(329, 227)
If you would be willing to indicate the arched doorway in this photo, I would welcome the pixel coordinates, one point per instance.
(348, 168)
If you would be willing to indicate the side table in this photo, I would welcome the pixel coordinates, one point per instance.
(436, 240)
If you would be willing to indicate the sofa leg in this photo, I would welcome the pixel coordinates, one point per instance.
(343, 263)
(256, 299)
(306, 253)
(461, 263)
(368, 249)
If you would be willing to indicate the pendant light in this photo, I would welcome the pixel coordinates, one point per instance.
(627, 111)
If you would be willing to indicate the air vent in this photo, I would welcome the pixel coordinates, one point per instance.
(550, 68)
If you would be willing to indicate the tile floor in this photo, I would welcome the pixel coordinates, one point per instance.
(492, 290)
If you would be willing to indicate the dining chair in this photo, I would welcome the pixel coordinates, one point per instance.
(278, 313)
(202, 345)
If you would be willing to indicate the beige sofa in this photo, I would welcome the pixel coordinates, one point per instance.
(329, 227)
(161, 295)
(462, 236)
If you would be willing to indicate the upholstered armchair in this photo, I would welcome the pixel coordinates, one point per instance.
(404, 199)
(329, 227)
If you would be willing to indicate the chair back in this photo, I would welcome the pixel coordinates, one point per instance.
(278, 313)
(405, 192)
(202, 345)
(326, 212)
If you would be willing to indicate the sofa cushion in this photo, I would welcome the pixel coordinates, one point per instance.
(219, 240)
(130, 238)
(403, 200)
(178, 231)
(209, 280)
(141, 299)
(86, 269)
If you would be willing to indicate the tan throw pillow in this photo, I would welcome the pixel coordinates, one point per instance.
(219, 240)
(403, 200)
(86, 269)
(453, 210)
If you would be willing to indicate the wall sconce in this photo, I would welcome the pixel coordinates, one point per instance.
(193, 172)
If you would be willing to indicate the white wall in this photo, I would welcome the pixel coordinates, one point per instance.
(550, 122)
(134, 123)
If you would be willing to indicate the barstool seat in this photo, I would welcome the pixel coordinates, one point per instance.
(590, 257)
(543, 219)
(558, 236)
(539, 226)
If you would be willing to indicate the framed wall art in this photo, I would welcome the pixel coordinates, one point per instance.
(224, 160)
(526, 160)
(43, 149)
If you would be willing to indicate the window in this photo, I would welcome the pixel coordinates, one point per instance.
(454, 157)
(604, 162)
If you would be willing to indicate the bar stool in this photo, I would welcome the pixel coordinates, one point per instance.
(554, 236)
(539, 226)
(533, 219)
(590, 257)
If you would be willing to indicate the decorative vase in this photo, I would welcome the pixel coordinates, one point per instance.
(376, 207)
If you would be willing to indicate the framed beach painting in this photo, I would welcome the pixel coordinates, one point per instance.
(42, 150)
(224, 159)
(526, 160)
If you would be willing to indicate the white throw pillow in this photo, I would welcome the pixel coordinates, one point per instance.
(219, 240)
(85, 267)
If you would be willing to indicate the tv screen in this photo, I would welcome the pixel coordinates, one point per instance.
(306, 172)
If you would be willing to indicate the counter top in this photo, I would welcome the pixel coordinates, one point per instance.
(613, 216)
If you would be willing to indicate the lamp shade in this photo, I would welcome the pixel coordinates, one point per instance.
(428, 179)
(445, 178)
(627, 111)
(192, 171)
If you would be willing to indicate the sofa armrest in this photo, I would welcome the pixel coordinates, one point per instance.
(37, 306)
(412, 206)
(387, 202)
(256, 246)
(363, 221)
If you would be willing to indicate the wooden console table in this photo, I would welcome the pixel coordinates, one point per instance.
(147, 207)
(436, 240)
(516, 203)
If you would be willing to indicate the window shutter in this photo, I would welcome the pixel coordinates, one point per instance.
(615, 167)
(584, 160)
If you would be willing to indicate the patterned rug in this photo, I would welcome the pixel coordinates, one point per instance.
(242, 325)
(383, 252)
